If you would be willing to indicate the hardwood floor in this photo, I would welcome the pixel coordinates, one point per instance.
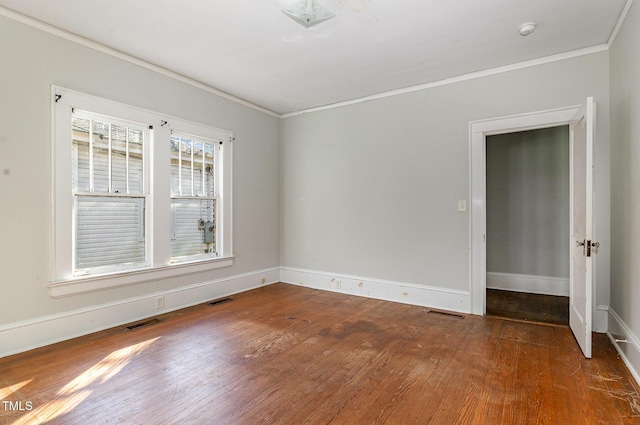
(291, 355)
(529, 307)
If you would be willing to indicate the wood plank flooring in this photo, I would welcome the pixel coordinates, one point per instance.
(530, 307)
(291, 355)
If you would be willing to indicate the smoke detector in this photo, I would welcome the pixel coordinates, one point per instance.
(527, 28)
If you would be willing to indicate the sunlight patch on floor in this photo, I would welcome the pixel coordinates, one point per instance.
(7, 391)
(76, 391)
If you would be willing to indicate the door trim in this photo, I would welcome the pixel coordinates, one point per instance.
(478, 132)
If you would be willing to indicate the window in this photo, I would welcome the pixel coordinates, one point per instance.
(109, 184)
(193, 196)
(135, 194)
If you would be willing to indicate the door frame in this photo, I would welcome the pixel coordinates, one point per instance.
(478, 132)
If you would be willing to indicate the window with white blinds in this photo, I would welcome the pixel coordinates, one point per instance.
(137, 195)
(108, 180)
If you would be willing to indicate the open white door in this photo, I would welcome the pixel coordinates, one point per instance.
(582, 245)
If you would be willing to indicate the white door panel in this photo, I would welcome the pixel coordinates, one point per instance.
(581, 224)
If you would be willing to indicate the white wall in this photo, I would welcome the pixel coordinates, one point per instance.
(33, 60)
(528, 202)
(625, 184)
(370, 190)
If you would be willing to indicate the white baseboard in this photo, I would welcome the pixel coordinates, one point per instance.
(528, 283)
(601, 319)
(626, 343)
(22, 336)
(407, 293)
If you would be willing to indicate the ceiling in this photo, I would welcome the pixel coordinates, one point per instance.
(251, 50)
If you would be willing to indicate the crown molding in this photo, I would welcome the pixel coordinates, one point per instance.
(465, 77)
(621, 19)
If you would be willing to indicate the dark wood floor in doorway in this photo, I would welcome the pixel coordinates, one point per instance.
(529, 307)
(291, 355)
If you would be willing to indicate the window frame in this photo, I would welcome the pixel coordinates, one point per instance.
(157, 212)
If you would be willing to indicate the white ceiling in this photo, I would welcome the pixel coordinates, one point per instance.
(251, 50)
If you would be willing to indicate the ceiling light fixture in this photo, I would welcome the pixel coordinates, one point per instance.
(308, 13)
(527, 28)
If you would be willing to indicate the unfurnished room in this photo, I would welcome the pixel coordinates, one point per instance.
(320, 212)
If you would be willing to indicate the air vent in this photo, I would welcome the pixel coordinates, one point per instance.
(141, 324)
(446, 313)
(220, 301)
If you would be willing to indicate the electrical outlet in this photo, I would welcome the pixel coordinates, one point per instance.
(159, 303)
(263, 280)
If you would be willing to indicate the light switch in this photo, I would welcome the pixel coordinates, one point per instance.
(462, 205)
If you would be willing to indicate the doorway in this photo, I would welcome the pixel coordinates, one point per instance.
(527, 223)
(581, 121)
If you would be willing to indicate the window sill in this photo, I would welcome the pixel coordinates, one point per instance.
(87, 284)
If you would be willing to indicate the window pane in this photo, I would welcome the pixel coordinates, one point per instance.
(198, 162)
(118, 159)
(80, 154)
(209, 149)
(115, 152)
(109, 231)
(187, 238)
(190, 160)
(186, 147)
(136, 164)
(100, 156)
(175, 166)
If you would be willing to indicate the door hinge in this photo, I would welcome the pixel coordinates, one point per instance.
(586, 247)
